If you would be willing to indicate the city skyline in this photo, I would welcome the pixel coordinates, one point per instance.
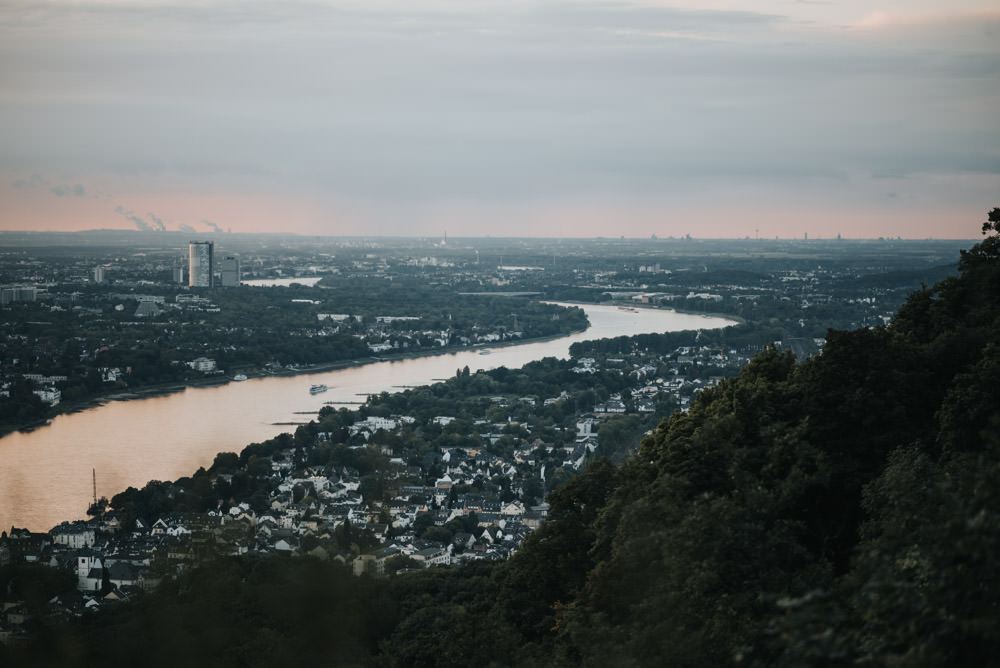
(572, 119)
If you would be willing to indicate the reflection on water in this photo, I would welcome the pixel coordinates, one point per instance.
(45, 475)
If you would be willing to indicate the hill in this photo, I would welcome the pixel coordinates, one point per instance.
(844, 510)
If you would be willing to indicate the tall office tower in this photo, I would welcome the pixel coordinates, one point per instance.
(178, 273)
(230, 271)
(200, 268)
(98, 274)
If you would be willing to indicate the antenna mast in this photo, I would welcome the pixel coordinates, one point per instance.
(94, 473)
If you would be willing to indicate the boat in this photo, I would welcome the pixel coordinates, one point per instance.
(316, 389)
(485, 351)
(239, 377)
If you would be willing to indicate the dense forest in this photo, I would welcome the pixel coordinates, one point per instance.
(844, 510)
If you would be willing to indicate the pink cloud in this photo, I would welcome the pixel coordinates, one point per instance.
(881, 20)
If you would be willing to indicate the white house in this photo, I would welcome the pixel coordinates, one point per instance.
(73, 535)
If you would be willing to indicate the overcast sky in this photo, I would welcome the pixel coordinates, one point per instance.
(512, 118)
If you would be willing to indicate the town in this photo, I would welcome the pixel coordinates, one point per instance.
(389, 487)
(91, 315)
(433, 476)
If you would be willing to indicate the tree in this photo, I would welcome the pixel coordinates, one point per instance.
(553, 562)
(400, 562)
(986, 251)
(437, 534)
(225, 462)
(98, 508)
(992, 223)
(423, 522)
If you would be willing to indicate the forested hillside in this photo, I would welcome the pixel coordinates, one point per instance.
(840, 511)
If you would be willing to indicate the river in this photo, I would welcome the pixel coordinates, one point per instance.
(45, 474)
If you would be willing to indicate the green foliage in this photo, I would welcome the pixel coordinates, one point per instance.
(618, 437)
(249, 612)
(922, 589)
(447, 621)
(22, 406)
(34, 584)
(553, 563)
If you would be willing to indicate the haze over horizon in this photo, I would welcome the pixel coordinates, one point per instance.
(505, 119)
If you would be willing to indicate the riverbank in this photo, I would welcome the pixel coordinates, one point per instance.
(45, 476)
(149, 391)
(156, 390)
(739, 320)
(654, 307)
(145, 392)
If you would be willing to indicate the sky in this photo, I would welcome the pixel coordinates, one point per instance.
(572, 118)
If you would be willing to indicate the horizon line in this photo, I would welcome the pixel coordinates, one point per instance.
(686, 237)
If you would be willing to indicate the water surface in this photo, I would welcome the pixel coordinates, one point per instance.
(45, 475)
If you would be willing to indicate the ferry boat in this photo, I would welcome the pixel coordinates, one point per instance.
(316, 389)
(239, 377)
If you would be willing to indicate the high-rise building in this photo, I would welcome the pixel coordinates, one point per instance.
(230, 271)
(17, 293)
(200, 267)
(178, 274)
(98, 274)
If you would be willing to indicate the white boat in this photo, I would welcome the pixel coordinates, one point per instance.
(316, 389)
(239, 377)
(485, 351)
